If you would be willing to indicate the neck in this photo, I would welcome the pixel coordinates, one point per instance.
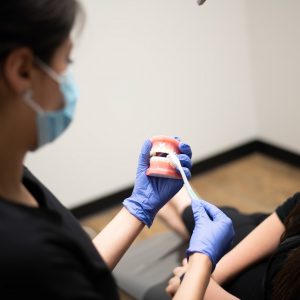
(11, 186)
(15, 129)
(11, 171)
(12, 145)
(12, 155)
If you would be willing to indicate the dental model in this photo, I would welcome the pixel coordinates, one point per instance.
(160, 165)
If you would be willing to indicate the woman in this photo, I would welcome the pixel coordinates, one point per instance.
(44, 252)
(265, 257)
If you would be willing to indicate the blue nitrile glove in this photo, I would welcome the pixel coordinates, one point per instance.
(150, 194)
(213, 231)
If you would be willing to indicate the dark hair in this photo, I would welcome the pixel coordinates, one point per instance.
(286, 284)
(41, 25)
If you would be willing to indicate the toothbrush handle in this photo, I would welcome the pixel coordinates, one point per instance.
(188, 187)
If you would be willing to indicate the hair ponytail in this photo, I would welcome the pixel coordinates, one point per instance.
(286, 283)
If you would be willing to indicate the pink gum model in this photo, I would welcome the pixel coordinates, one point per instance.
(159, 163)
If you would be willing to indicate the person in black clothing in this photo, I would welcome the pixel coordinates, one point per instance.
(265, 257)
(44, 253)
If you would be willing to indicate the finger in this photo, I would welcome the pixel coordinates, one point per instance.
(185, 161)
(145, 154)
(174, 282)
(187, 173)
(170, 290)
(178, 271)
(214, 212)
(197, 206)
(145, 151)
(199, 211)
(175, 271)
(185, 149)
(184, 261)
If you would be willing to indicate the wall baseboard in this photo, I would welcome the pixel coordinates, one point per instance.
(279, 153)
(97, 205)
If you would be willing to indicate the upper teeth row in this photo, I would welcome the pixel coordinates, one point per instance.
(162, 148)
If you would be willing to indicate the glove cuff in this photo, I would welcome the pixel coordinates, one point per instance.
(135, 208)
(190, 251)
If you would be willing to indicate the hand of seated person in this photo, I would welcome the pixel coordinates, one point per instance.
(212, 236)
(175, 281)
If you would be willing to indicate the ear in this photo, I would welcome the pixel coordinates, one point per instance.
(18, 70)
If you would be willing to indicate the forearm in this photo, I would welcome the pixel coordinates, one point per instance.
(196, 278)
(114, 240)
(262, 241)
(215, 291)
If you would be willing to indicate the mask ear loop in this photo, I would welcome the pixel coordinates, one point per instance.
(48, 70)
(28, 98)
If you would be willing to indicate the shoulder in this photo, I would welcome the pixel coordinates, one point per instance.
(284, 209)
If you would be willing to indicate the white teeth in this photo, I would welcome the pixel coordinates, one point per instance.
(159, 158)
(162, 159)
(152, 152)
(161, 148)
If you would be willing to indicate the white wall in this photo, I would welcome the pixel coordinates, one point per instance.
(151, 67)
(274, 28)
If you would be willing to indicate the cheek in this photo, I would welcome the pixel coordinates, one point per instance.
(47, 94)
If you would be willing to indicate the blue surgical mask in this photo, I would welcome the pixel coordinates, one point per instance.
(51, 124)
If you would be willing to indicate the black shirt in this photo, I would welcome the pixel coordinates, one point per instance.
(45, 254)
(278, 259)
(284, 209)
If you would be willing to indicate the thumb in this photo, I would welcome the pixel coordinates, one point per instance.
(198, 210)
(145, 155)
(214, 212)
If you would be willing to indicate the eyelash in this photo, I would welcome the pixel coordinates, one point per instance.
(70, 61)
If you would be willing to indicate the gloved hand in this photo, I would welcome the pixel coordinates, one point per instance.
(213, 231)
(152, 193)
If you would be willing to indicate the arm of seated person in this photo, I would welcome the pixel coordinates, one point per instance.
(212, 236)
(258, 244)
(196, 278)
(214, 290)
(261, 242)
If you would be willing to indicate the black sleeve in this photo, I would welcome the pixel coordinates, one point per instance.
(284, 209)
(56, 274)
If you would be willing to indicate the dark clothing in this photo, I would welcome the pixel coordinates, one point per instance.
(45, 254)
(278, 258)
(276, 262)
(251, 283)
(284, 209)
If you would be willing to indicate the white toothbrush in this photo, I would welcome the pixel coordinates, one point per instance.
(175, 161)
